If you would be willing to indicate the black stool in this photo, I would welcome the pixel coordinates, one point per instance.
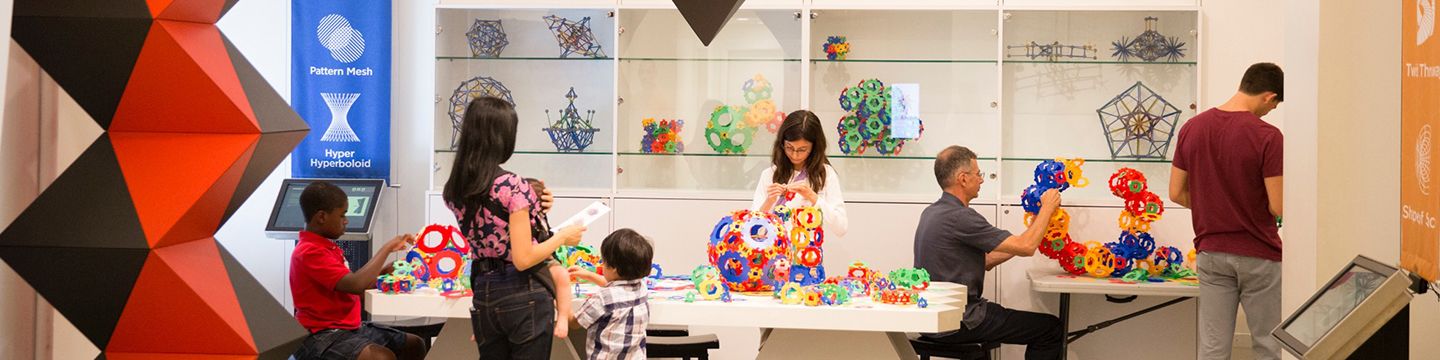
(971, 351)
(666, 330)
(684, 347)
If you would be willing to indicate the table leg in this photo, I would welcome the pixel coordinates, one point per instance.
(1065, 324)
(832, 344)
(454, 343)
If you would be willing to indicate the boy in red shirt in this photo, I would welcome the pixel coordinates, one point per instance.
(327, 294)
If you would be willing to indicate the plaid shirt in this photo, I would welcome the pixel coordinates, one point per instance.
(615, 319)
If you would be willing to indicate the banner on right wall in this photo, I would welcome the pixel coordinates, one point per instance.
(1419, 111)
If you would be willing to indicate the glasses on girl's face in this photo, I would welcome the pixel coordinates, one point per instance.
(792, 150)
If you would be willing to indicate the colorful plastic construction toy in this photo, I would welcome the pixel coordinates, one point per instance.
(571, 133)
(662, 137)
(486, 38)
(1149, 45)
(867, 123)
(574, 37)
(726, 132)
(760, 110)
(836, 48)
(731, 129)
(1052, 51)
(744, 245)
(439, 260)
(1128, 257)
(1138, 123)
(583, 256)
(476, 87)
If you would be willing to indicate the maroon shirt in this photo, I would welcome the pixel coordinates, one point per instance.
(1228, 155)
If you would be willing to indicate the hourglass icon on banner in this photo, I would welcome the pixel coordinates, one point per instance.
(339, 130)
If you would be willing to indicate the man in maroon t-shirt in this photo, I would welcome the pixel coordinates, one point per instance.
(327, 294)
(1228, 171)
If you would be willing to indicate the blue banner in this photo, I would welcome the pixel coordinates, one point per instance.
(340, 85)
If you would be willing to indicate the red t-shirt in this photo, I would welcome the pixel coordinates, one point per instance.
(1228, 155)
(315, 267)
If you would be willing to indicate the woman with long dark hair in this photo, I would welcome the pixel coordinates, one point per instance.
(801, 174)
(500, 214)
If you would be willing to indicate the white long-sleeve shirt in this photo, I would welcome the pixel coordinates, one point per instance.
(830, 200)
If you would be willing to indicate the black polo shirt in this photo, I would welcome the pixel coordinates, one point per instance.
(950, 243)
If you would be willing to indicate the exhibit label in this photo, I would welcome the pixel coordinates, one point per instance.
(1419, 200)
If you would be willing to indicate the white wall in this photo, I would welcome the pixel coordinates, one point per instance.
(260, 29)
(1353, 50)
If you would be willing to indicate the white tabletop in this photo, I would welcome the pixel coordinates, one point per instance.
(1055, 280)
(946, 307)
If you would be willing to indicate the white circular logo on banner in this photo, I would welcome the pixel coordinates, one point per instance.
(344, 42)
(1422, 159)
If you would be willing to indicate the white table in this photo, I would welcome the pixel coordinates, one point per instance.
(860, 330)
(1055, 280)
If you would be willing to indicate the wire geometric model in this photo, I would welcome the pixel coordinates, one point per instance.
(121, 243)
(574, 37)
(1149, 45)
(867, 122)
(487, 38)
(1138, 123)
(1052, 51)
(662, 137)
(339, 129)
(571, 133)
(475, 88)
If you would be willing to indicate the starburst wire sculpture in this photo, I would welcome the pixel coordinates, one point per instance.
(1149, 45)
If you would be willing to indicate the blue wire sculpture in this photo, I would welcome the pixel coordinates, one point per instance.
(468, 90)
(571, 133)
(1149, 45)
(574, 37)
(487, 38)
(1138, 123)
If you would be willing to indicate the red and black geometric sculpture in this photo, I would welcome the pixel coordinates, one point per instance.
(122, 243)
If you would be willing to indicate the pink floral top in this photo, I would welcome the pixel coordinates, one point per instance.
(489, 233)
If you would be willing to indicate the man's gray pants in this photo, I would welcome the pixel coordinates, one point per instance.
(1228, 281)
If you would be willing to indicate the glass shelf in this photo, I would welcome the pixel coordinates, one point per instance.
(706, 59)
(1099, 62)
(541, 152)
(867, 157)
(1137, 161)
(517, 58)
(587, 171)
(908, 61)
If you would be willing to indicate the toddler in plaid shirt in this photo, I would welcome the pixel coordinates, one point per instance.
(615, 317)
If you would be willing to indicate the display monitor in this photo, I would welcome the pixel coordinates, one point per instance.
(1345, 312)
(286, 218)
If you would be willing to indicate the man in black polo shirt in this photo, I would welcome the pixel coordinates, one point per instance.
(955, 244)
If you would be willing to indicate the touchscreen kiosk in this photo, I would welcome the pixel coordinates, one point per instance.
(286, 218)
(1346, 312)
